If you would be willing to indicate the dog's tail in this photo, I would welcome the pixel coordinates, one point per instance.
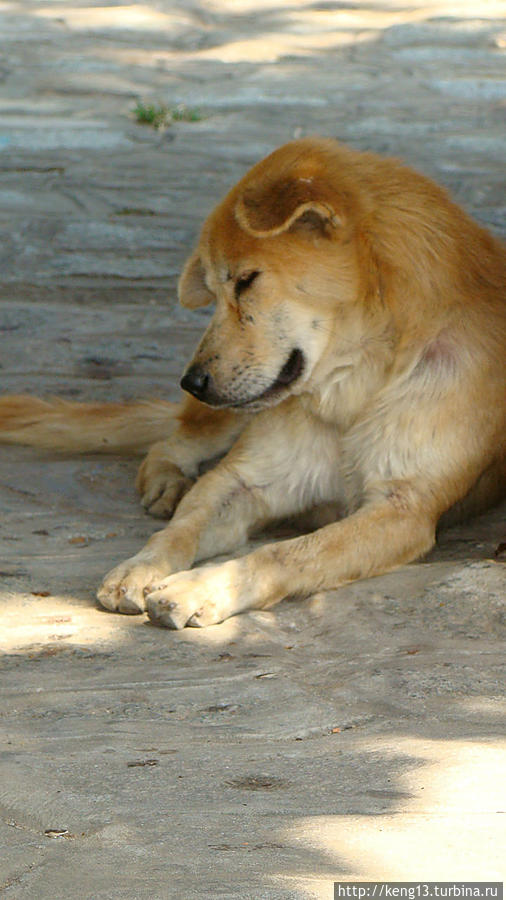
(85, 427)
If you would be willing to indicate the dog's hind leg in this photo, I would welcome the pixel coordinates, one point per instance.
(201, 434)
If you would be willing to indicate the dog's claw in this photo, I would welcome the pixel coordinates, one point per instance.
(196, 598)
(127, 587)
(119, 602)
(166, 615)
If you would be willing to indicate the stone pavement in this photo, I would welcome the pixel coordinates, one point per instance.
(356, 735)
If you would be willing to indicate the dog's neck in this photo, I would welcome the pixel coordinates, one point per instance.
(339, 398)
(359, 356)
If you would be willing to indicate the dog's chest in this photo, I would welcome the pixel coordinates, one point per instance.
(370, 431)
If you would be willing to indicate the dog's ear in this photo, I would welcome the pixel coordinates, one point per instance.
(192, 289)
(277, 205)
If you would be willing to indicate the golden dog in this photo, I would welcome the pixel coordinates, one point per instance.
(356, 360)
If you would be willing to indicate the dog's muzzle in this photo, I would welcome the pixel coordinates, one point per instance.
(199, 382)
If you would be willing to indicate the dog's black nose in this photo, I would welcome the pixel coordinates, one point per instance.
(197, 382)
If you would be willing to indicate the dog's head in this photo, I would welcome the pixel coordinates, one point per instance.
(278, 257)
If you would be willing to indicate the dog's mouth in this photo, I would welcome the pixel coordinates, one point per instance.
(290, 372)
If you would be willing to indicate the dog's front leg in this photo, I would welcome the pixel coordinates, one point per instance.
(379, 537)
(265, 476)
(212, 517)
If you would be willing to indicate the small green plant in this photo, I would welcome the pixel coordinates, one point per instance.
(182, 113)
(159, 115)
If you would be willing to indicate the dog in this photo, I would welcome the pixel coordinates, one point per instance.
(355, 363)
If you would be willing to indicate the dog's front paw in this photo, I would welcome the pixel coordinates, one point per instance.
(126, 587)
(161, 484)
(200, 597)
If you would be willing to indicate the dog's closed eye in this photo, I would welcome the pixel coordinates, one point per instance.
(244, 282)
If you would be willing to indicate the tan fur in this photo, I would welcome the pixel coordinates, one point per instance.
(356, 358)
(84, 427)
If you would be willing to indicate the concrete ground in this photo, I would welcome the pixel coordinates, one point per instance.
(356, 735)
